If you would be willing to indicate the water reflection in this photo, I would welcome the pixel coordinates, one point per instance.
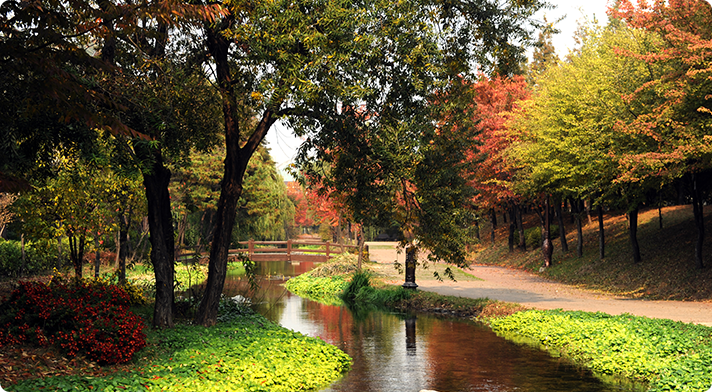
(395, 352)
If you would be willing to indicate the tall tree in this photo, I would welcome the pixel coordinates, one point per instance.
(575, 138)
(309, 59)
(681, 117)
(494, 175)
(88, 65)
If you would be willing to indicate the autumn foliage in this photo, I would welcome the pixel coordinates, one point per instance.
(77, 316)
(494, 98)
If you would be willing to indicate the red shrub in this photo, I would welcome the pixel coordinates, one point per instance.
(78, 316)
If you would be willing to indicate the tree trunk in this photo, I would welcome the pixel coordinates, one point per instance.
(576, 207)
(97, 257)
(160, 223)
(698, 212)
(23, 265)
(117, 243)
(633, 234)
(236, 160)
(124, 246)
(59, 252)
(562, 230)
(601, 233)
(512, 227)
(76, 251)
(361, 240)
(547, 248)
(493, 217)
(520, 228)
(477, 229)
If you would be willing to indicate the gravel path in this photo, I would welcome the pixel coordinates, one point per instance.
(530, 290)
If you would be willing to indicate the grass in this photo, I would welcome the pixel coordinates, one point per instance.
(244, 352)
(667, 270)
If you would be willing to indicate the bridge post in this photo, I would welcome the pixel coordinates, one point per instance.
(289, 250)
(251, 248)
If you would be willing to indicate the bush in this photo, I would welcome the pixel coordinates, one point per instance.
(320, 289)
(37, 258)
(77, 316)
(359, 289)
(532, 236)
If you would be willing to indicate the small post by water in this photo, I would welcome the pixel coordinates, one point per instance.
(289, 250)
(410, 255)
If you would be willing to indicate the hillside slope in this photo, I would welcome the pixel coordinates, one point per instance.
(667, 270)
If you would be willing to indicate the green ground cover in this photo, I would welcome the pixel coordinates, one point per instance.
(666, 355)
(662, 354)
(320, 289)
(244, 352)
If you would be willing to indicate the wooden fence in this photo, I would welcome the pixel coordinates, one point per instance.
(290, 250)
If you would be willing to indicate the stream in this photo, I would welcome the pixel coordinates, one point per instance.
(410, 353)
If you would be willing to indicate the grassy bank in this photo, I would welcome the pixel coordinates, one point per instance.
(243, 352)
(662, 354)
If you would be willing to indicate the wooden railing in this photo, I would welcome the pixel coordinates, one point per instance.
(289, 250)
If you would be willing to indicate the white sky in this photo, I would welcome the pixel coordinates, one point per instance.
(283, 144)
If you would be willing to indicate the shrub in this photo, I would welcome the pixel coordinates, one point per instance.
(358, 290)
(77, 316)
(532, 236)
(38, 258)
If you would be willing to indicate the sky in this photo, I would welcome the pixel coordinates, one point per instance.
(283, 144)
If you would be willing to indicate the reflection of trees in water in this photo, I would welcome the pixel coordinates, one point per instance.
(410, 341)
(397, 352)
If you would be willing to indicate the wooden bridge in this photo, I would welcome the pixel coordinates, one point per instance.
(290, 250)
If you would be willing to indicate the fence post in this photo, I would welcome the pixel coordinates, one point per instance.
(251, 248)
(327, 250)
(289, 250)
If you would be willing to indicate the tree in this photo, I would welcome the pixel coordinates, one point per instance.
(74, 205)
(298, 196)
(307, 59)
(544, 54)
(494, 175)
(681, 118)
(390, 155)
(91, 65)
(575, 133)
(6, 214)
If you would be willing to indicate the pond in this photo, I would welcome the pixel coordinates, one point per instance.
(399, 352)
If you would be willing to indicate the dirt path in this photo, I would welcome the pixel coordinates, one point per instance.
(510, 285)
